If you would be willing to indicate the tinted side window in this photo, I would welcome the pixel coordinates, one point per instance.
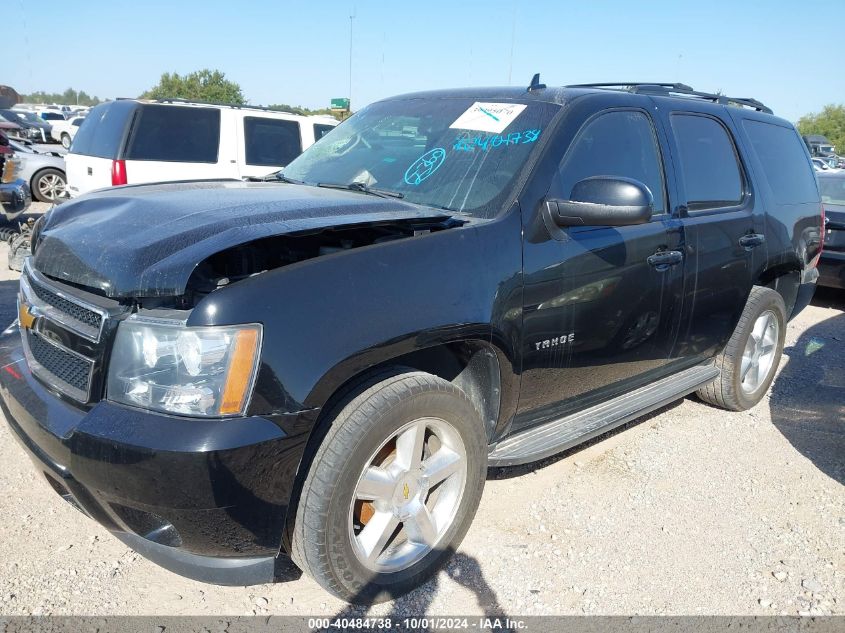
(271, 142)
(781, 153)
(320, 130)
(103, 130)
(616, 144)
(173, 133)
(708, 162)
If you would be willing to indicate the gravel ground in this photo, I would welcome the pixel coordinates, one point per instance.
(687, 511)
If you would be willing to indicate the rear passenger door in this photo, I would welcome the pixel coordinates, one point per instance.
(266, 144)
(721, 230)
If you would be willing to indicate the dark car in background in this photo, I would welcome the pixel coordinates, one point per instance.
(832, 265)
(15, 195)
(12, 130)
(819, 145)
(35, 129)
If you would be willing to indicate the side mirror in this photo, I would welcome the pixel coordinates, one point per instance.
(603, 201)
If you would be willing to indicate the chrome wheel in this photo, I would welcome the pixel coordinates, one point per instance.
(408, 494)
(51, 186)
(760, 351)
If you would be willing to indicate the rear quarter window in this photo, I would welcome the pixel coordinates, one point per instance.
(782, 155)
(175, 134)
(103, 131)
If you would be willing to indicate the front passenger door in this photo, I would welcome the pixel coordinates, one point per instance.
(601, 313)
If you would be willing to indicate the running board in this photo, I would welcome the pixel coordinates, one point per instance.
(558, 435)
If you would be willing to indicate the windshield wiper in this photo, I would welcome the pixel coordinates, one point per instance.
(276, 176)
(279, 176)
(360, 186)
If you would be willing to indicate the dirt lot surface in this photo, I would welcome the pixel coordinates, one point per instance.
(690, 510)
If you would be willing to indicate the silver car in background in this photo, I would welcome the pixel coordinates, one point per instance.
(43, 172)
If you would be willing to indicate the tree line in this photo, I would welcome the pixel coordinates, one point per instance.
(68, 97)
(201, 85)
(212, 86)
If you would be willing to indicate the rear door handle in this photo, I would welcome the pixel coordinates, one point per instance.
(664, 259)
(90, 172)
(751, 240)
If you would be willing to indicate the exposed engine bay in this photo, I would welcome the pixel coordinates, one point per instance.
(253, 258)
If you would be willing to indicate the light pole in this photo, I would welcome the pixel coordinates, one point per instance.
(513, 40)
(349, 94)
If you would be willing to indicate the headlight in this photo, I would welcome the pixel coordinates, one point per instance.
(163, 365)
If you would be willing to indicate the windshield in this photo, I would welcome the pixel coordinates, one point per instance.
(832, 190)
(25, 116)
(455, 154)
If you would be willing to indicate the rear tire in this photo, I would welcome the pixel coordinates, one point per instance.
(375, 470)
(750, 359)
(66, 140)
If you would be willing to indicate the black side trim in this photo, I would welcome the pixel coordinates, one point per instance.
(558, 435)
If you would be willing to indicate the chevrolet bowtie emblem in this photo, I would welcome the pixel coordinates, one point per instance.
(26, 318)
(405, 491)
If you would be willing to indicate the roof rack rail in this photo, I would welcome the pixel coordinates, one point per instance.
(629, 85)
(236, 106)
(669, 89)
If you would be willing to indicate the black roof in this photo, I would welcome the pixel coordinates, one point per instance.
(563, 94)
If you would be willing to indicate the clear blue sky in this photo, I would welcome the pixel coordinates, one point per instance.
(298, 52)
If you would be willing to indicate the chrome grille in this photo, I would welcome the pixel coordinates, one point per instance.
(73, 310)
(59, 306)
(63, 334)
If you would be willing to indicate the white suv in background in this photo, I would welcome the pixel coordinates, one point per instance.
(131, 142)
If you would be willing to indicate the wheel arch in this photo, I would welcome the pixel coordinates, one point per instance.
(785, 279)
(476, 366)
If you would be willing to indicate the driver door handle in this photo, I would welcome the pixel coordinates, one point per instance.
(662, 260)
(751, 240)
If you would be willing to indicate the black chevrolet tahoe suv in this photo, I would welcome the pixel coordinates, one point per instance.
(323, 365)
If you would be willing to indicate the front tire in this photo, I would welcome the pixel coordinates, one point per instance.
(750, 359)
(392, 489)
(66, 140)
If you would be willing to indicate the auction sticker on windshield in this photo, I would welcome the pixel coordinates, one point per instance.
(488, 117)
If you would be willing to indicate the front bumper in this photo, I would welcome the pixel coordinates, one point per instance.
(206, 499)
(15, 198)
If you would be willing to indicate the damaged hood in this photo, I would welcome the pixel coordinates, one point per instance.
(146, 240)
